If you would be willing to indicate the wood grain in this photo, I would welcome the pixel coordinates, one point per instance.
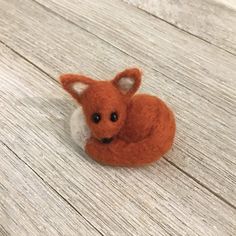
(192, 192)
(211, 20)
(29, 207)
(194, 64)
(200, 89)
(158, 198)
(117, 201)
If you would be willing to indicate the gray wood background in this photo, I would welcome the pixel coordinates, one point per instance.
(211, 20)
(48, 186)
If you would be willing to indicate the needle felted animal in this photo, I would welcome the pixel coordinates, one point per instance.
(116, 127)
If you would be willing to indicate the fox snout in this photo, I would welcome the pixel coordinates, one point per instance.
(105, 130)
(106, 140)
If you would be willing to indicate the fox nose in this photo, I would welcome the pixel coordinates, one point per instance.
(106, 140)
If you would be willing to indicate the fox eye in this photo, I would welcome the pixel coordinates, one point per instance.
(96, 117)
(114, 117)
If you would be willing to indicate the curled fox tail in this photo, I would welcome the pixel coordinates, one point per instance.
(121, 153)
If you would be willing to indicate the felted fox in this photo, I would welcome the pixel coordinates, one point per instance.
(116, 127)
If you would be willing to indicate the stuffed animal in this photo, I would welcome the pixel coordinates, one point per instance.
(116, 127)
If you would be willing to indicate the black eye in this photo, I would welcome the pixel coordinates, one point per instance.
(114, 116)
(96, 117)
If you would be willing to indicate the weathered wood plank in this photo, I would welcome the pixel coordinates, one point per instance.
(211, 20)
(199, 66)
(205, 138)
(29, 207)
(120, 201)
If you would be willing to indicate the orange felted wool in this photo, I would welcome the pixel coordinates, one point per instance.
(119, 128)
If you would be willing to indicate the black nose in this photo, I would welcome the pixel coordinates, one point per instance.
(106, 140)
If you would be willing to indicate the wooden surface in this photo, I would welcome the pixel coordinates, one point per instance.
(191, 191)
(210, 20)
(29, 206)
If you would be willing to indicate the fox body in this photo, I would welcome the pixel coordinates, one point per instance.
(115, 126)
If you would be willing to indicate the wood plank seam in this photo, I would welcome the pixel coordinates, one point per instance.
(27, 60)
(183, 30)
(53, 189)
(144, 63)
(202, 184)
(130, 172)
(170, 162)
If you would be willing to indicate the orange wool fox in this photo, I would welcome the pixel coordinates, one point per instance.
(114, 126)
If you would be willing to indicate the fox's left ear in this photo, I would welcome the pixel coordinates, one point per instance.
(128, 81)
(75, 84)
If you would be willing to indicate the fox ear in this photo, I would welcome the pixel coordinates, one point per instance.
(75, 85)
(128, 81)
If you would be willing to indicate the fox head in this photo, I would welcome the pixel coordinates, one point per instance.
(104, 102)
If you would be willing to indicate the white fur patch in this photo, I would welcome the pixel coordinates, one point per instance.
(78, 127)
(126, 83)
(79, 87)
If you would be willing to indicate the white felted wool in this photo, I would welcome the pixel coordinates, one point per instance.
(79, 88)
(126, 84)
(78, 127)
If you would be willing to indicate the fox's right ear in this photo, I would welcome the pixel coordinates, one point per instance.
(128, 81)
(75, 85)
